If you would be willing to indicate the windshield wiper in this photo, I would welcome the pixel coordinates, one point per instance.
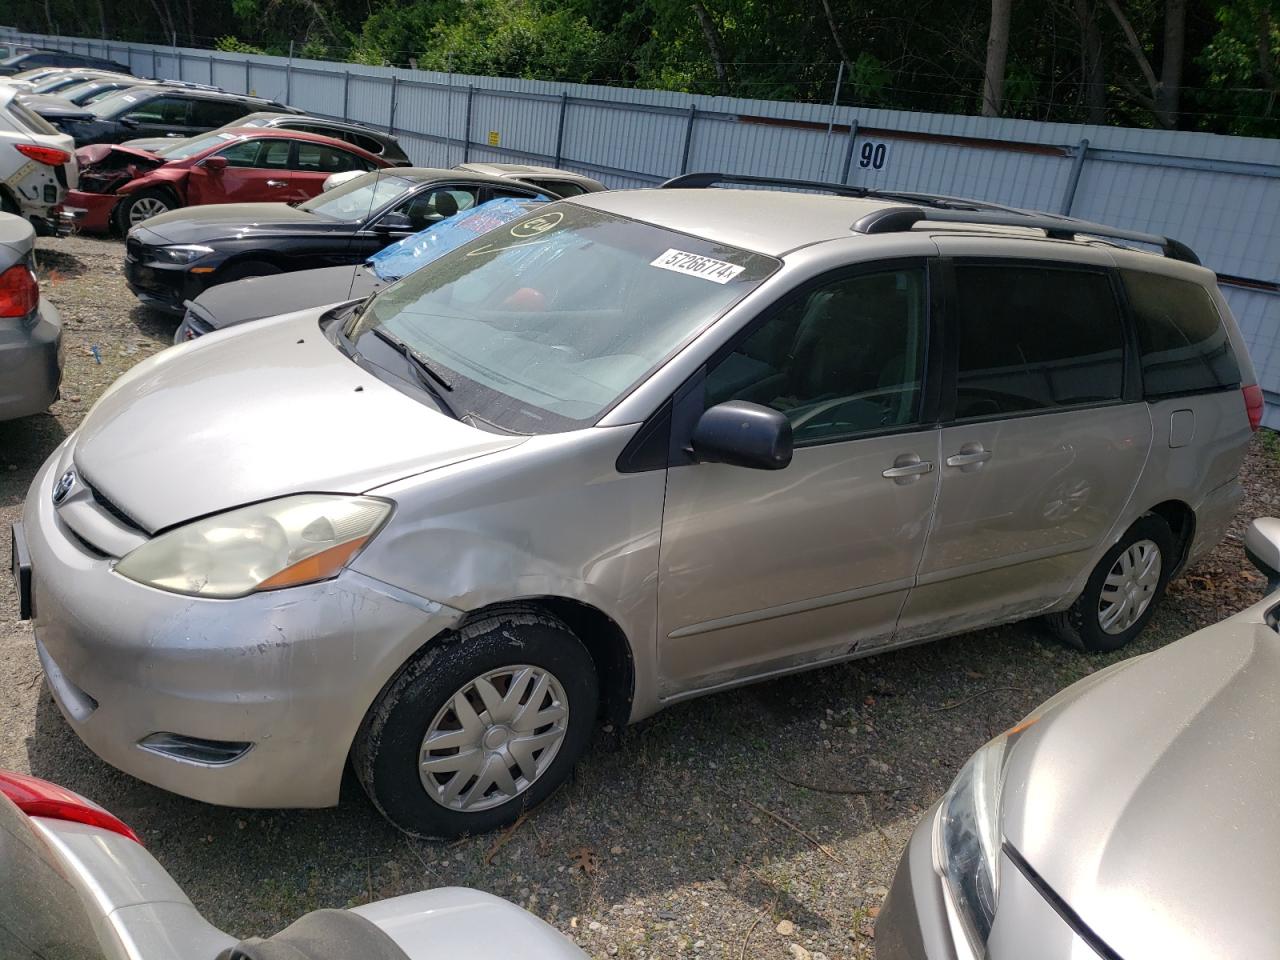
(427, 375)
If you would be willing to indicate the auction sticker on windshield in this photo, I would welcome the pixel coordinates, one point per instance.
(693, 265)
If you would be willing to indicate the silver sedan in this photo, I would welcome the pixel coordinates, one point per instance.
(1132, 815)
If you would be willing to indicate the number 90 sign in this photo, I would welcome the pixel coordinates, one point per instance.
(872, 155)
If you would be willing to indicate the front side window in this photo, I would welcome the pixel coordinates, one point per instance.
(1184, 345)
(357, 198)
(1035, 338)
(271, 154)
(845, 359)
(542, 324)
(429, 207)
(166, 110)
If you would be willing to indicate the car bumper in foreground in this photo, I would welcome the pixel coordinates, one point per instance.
(918, 922)
(264, 694)
(31, 364)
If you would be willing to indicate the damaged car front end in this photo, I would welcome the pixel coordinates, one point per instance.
(107, 173)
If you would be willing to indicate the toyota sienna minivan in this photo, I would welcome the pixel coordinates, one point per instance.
(629, 449)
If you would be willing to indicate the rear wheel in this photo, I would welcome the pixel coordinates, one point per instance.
(1121, 594)
(483, 725)
(137, 207)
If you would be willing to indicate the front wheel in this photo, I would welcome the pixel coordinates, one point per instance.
(1121, 594)
(483, 725)
(137, 207)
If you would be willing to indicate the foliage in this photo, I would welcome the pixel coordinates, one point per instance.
(925, 55)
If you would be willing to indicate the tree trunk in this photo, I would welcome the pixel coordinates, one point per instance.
(1170, 89)
(102, 18)
(1265, 66)
(1093, 69)
(712, 36)
(48, 18)
(997, 56)
(835, 35)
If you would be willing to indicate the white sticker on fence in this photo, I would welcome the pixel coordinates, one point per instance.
(693, 265)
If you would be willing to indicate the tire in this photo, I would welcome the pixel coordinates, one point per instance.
(420, 699)
(247, 268)
(144, 205)
(1082, 624)
(7, 204)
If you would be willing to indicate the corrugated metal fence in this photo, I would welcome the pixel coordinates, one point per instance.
(1220, 195)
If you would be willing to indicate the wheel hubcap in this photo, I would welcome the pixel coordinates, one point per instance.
(145, 208)
(494, 738)
(1129, 587)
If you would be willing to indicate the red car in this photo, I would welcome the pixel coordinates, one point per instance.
(122, 186)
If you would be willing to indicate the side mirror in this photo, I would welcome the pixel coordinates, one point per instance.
(1262, 547)
(743, 435)
(214, 164)
(395, 220)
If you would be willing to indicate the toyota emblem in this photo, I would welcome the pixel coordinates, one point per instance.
(63, 487)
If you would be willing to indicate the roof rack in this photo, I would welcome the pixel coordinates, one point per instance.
(898, 219)
(944, 209)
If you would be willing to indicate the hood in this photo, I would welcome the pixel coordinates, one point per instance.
(1148, 802)
(211, 222)
(258, 413)
(98, 153)
(51, 105)
(253, 298)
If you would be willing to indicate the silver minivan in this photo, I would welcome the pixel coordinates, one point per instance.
(632, 448)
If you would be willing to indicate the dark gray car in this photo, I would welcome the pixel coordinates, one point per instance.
(30, 328)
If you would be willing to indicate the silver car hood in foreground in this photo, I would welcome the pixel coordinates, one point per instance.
(1149, 800)
(231, 419)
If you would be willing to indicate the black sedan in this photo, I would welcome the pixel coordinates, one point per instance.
(159, 111)
(172, 258)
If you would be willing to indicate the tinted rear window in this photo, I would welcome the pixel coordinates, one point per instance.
(1185, 347)
(1036, 338)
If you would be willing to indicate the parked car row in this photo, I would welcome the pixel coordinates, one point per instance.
(624, 448)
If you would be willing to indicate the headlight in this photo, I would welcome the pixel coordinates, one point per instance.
(280, 543)
(180, 253)
(968, 840)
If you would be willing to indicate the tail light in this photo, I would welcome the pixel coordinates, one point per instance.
(50, 156)
(40, 798)
(1253, 404)
(19, 292)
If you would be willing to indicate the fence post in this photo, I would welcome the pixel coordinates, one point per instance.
(211, 83)
(848, 152)
(466, 130)
(688, 138)
(288, 76)
(1073, 181)
(248, 77)
(564, 106)
(155, 64)
(346, 90)
(395, 85)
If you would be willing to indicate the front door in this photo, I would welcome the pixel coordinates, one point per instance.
(1048, 440)
(766, 571)
(158, 117)
(256, 171)
(314, 163)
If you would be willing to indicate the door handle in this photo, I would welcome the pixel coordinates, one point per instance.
(906, 468)
(970, 455)
(277, 183)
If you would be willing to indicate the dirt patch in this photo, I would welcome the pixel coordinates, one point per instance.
(776, 812)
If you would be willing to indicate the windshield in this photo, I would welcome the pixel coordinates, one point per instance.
(543, 324)
(193, 145)
(94, 95)
(50, 84)
(357, 198)
(116, 103)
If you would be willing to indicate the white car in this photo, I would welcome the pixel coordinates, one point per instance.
(37, 164)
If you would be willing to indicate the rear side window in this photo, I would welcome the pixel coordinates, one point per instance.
(216, 113)
(319, 158)
(1184, 345)
(562, 188)
(1035, 338)
(30, 119)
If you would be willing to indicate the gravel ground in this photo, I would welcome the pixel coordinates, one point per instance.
(765, 822)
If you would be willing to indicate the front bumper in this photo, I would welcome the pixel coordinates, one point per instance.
(89, 212)
(918, 923)
(31, 365)
(291, 672)
(162, 286)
